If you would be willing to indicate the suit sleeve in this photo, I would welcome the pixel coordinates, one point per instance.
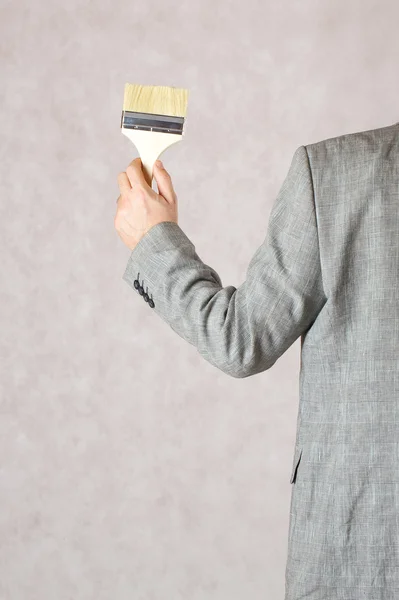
(241, 331)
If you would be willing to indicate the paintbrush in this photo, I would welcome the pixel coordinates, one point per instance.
(153, 118)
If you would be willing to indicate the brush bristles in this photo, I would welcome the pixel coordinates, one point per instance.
(156, 99)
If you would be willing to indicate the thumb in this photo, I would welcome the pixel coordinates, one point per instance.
(164, 182)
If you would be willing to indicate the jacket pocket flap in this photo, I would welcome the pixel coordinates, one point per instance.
(297, 458)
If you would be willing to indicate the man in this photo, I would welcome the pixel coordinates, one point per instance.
(328, 271)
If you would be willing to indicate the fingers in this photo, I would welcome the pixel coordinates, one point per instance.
(124, 183)
(164, 183)
(135, 173)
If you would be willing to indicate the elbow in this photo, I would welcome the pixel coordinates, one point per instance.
(232, 370)
(236, 371)
(237, 367)
(240, 371)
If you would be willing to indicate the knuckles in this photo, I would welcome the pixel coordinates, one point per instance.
(131, 170)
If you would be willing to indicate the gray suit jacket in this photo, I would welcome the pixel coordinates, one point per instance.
(328, 271)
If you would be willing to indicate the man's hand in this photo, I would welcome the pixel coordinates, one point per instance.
(139, 206)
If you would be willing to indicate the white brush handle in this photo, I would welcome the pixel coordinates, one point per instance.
(150, 145)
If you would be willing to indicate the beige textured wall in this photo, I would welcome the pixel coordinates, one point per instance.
(131, 469)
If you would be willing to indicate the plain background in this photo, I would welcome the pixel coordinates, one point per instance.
(130, 468)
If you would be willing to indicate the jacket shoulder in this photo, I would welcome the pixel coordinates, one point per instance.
(352, 144)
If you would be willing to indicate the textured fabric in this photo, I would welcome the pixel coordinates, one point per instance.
(328, 271)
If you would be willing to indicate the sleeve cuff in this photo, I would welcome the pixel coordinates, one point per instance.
(160, 237)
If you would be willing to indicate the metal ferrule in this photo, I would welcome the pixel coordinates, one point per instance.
(151, 122)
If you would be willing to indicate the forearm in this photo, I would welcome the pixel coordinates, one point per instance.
(187, 293)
